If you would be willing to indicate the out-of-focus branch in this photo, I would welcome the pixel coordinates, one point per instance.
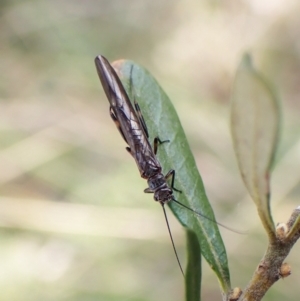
(271, 268)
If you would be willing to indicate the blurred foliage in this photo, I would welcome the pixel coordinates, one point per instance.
(75, 223)
(255, 124)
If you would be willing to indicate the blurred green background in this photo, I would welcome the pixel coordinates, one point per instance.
(74, 221)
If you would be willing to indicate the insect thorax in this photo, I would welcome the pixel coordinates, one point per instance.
(162, 192)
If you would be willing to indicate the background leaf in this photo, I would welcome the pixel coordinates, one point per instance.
(254, 126)
(162, 121)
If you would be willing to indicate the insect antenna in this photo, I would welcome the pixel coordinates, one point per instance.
(210, 219)
(169, 230)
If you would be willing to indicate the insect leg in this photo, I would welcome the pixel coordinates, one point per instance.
(156, 142)
(171, 173)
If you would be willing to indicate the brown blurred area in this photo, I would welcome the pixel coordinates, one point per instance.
(74, 221)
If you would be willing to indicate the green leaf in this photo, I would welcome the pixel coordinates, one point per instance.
(162, 121)
(255, 127)
(193, 269)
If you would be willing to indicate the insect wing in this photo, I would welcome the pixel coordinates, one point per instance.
(121, 109)
(129, 121)
(110, 81)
